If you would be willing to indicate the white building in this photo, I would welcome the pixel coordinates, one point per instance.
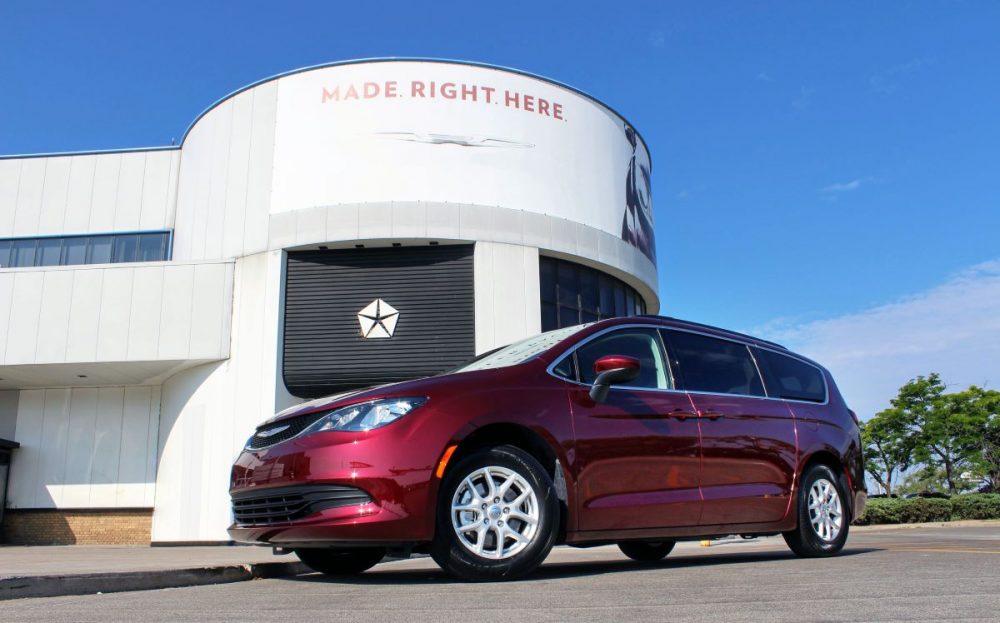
(159, 303)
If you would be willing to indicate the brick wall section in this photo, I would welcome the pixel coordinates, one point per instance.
(77, 526)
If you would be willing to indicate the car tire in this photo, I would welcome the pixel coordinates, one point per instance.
(339, 562)
(823, 515)
(497, 516)
(646, 551)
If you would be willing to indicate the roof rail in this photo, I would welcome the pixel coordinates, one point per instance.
(720, 329)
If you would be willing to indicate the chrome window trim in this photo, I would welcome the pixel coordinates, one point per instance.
(572, 350)
(666, 358)
(760, 373)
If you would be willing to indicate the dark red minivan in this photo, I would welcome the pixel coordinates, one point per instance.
(639, 431)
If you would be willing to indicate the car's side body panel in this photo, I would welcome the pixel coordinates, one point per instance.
(748, 458)
(638, 462)
(683, 532)
(830, 431)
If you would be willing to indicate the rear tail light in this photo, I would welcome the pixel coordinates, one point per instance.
(854, 416)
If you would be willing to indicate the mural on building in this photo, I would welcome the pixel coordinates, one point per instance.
(637, 225)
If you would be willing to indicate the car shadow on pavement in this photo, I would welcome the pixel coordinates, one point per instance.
(384, 574)
(577, 569)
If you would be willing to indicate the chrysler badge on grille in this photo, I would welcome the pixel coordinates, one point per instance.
(264, 434)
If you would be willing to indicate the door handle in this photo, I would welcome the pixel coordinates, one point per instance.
(711, 415)
(681, 414)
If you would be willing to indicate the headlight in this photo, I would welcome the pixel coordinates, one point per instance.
(365, 416)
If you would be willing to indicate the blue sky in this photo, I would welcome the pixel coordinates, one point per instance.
(813, 162)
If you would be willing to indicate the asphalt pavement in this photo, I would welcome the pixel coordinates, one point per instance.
(911, 574)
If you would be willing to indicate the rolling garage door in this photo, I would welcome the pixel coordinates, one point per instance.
(423, 296)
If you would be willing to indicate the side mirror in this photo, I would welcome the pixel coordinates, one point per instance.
(612, 370)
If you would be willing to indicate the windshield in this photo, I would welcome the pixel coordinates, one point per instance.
(519, 352)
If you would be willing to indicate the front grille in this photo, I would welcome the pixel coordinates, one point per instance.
(282, 430)
(268, 507)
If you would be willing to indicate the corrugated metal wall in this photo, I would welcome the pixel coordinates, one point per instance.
(93, 193)
(431, 287)
(86, 447)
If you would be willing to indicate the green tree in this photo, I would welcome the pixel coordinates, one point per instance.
(987, 461)
(888, 446)
(921, 480)
(945, 429)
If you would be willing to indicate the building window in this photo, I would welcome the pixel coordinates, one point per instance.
(153, 246)
(572, 294)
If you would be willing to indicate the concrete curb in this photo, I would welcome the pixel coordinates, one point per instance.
(959, 523)
(90, 583)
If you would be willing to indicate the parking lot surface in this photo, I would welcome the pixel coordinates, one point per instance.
(908, 574)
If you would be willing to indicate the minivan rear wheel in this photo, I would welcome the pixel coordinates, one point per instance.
(497, 516)
(646, 551)
(823, 519)
(341, 561)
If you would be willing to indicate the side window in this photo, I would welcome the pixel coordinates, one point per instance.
(643, 344)
(790, 378)
(565, 369)
(708, 364)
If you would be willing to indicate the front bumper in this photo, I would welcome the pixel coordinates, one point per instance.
(335, 488)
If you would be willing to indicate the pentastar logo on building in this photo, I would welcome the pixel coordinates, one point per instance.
(378, 320)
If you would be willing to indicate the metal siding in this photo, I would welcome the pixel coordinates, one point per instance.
(79, 195)
(431, 287)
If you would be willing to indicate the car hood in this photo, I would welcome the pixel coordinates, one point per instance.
(417, 387)
(319, 404)
(343, 399)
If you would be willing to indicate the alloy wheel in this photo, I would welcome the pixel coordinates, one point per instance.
(826, 512)
(494, 512)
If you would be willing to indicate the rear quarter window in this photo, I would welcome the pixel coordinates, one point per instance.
(791, 378)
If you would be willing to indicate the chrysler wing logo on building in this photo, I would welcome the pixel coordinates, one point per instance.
(378, 320)
(452, 139)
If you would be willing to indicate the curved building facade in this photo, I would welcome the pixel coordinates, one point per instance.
(334, 227)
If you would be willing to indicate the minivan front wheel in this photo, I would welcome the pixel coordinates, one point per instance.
(823, 518)
(497, 516)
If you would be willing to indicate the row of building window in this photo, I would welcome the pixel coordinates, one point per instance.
(572, 294)
(95, 249)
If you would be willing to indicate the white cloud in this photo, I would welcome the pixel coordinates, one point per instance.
(686, 193)
(953, 329)
(886, 82)
(804, 99)
(880, 84)
(846, 186)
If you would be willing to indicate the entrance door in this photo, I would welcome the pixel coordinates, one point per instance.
(637, 454)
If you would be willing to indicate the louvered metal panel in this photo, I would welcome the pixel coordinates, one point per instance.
(431, 287)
